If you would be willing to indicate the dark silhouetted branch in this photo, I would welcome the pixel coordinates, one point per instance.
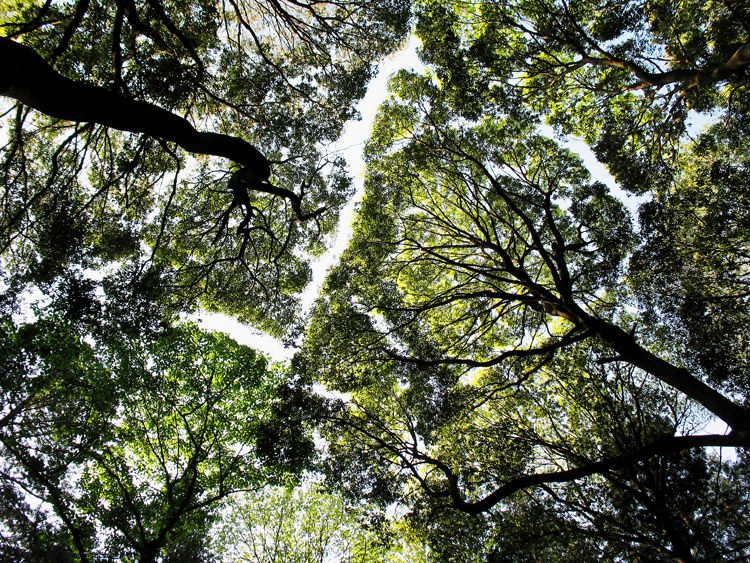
(26, 77)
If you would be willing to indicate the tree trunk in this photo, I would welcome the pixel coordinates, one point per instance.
(689, 77)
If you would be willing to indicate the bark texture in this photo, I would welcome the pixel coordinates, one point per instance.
(689, 77)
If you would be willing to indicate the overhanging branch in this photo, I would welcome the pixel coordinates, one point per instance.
(25, 76)
(659, 447)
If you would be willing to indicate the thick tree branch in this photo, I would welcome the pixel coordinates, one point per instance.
(736, 416)
(659, 447)
(690, 78)
(26, 77)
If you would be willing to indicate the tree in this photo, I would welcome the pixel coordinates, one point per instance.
(304, 524)
(482, 322)
(523, 371)
(57, 402)
(692, 265)
(103, 165)
(158, 156)
(483, 222)
(622, 75)
(159, 438)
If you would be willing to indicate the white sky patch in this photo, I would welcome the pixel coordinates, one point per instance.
(322, 391)
(717, 426)
(245, 335)
(350, 145)
(600, 173)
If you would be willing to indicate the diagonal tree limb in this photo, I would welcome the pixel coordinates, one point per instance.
(663, 446)
(28, 78)
(75, 22)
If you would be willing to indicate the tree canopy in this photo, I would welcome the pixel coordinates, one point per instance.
(116, 101)
(131, 446)
(516, 345)
(512, 360)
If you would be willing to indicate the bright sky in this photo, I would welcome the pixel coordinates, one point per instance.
(350, 145)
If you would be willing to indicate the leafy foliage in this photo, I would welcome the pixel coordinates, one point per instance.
(132, 446)
(300, 525)
(693, 264)
(504, 366)
(283, 76)
(510, 350)
(622, 75)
